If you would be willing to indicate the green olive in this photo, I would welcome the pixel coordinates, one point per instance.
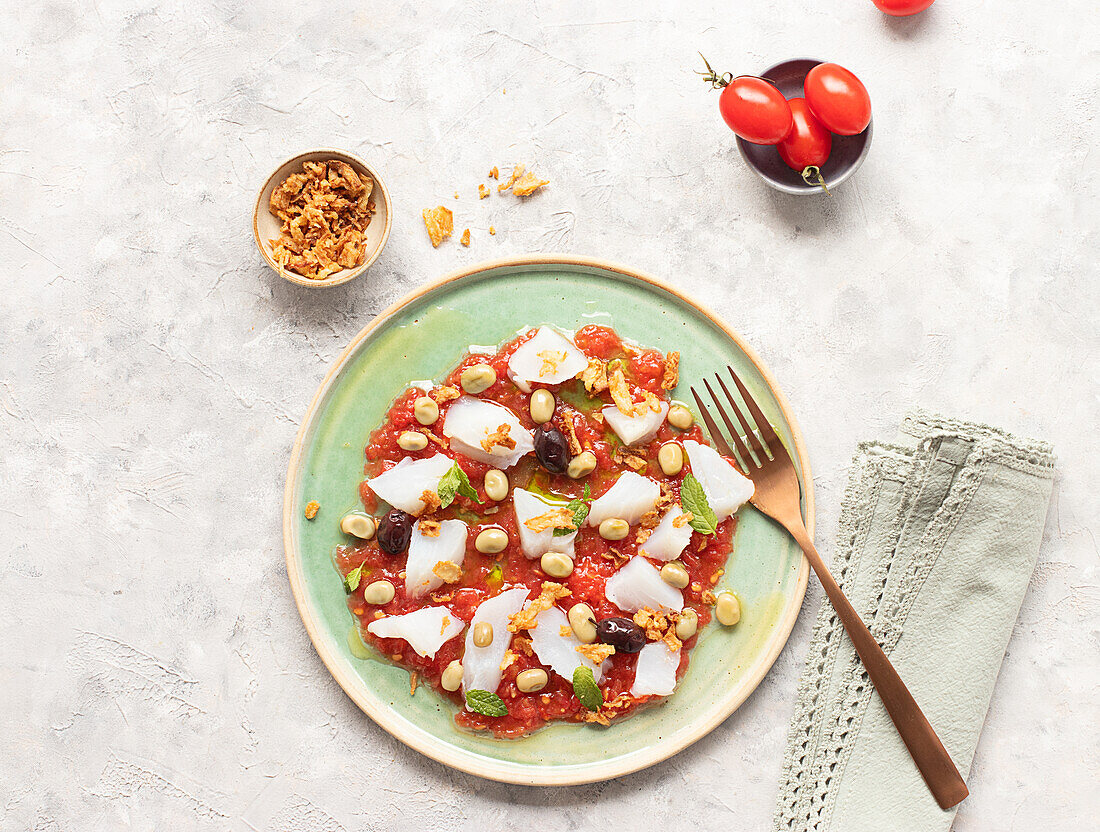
(478, 378)
(581, 465)
(496, 485)
(687, 625)
(727, 609)
(412, 440)
(378, 592)
(426, 410)
(557, 565)
(671, 458)
(452, 676)
(542, 406)
(674, 574)
(532, 681)
(491, 541)
(680, 417)
(614, 528)
(359, 525)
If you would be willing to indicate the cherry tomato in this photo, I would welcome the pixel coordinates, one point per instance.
(902, 8)
(755, 110)
(809, 143)
(838, 99)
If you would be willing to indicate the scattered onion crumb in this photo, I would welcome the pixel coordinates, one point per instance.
(440, 223)
(465, 239)
(312, 507)
(528, 184)
(482, 191)
(517, 172)
(492, 231)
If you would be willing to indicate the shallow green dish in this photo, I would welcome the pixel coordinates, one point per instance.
(422, 337)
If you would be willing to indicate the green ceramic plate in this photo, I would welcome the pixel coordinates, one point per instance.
(422, 337)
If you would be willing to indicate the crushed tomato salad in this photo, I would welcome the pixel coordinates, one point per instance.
(580, 405)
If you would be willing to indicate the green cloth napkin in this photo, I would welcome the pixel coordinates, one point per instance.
(938, 538)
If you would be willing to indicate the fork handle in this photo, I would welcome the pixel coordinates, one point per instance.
(932, 759)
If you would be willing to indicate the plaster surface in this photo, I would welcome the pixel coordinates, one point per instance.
(153, 370)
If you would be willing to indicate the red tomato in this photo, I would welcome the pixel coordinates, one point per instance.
(902, 8)
(838, 99)
(755, 110)
(809, 142)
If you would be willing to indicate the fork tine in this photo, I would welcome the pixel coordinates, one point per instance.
(746, 457)
(750, 434)
(715, 434)
(765, 427)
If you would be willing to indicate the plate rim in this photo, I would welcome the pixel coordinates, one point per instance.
(465, 761)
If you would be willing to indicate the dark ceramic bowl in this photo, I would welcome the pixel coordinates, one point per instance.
(847, 154)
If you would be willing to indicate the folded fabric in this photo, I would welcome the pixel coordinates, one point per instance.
(938, 538)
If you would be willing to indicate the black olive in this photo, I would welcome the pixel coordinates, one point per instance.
(621, 633)
(551, 449)
(395, 531)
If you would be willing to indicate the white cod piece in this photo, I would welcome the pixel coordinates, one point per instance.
(639, 584)
(635, 429)
(537, 544)
(469, 422)
(655, 672)
(402, 485)
(546, 358)
(667, 540)
(426, 630)
(726, 488)
(426, 552)
(630, 497)
(556, 651)
(481, 665)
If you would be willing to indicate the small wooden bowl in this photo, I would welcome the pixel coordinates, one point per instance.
(266, 226)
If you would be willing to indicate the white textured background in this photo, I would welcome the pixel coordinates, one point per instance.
(153, 371)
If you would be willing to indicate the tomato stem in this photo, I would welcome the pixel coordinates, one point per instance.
(715, 80)
(811, 175)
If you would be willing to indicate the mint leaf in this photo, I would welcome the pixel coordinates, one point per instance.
(455, 482)
(351, 580)
(483, 702)
(694, 499)
(580, 508)
(586, 689)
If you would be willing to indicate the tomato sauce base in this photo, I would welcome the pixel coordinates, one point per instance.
(487, 575)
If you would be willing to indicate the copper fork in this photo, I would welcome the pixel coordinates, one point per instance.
(763, 459)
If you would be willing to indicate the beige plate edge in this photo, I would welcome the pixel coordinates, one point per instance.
(489, 769)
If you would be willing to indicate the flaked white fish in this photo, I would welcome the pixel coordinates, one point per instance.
(639, 584)
(556, 651)
(726, 488)
(426, 630)
(537, 544)
(633, 430)
(402, 485)
(630, 497)
(481, 665)
(667, 540)
(425, 552)
(655, 670)
(470, 421)
(546, 358)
